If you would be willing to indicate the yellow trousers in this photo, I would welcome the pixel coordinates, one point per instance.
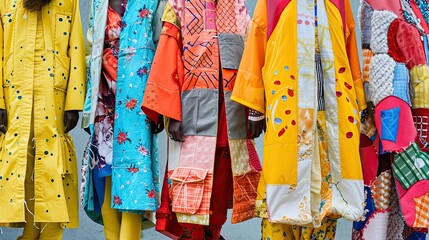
(32, 230)
(119, 225)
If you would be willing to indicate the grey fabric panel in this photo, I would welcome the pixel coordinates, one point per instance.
(200, 112)
(236, 116)
(365, 19)
(231, 49)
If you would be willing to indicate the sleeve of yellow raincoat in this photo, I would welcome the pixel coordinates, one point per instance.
(2, 103)
(249, 85)
(353, 55)
(77, 78)
(163, 88)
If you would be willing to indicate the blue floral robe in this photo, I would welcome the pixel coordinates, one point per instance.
(134, 169)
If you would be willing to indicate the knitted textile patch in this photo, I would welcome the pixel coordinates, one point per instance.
(380, 23)
(382, 70)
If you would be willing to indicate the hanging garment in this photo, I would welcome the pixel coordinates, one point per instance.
(397, 74)
(277, 76)
(121, 143)
(198, 54)
(59, 65)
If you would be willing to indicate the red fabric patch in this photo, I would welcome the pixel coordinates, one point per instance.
(408, 42)
(274, 10)
(369, 158)
(394, 50)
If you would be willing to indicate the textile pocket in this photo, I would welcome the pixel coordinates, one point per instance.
(67, 155)
(61, 75)
(187, 189)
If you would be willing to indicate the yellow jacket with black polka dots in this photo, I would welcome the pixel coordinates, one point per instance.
(43, 74)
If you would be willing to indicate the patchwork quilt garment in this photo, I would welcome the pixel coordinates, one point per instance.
(301, 183)
(394, 40)
(200, 48)
(133, 158)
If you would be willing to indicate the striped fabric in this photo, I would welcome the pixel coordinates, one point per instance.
(367, 55)
(420, 80)
(320, 87)
(411, 166)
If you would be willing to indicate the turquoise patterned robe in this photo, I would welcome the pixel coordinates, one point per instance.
(135, 169)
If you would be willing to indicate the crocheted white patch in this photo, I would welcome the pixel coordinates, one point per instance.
(381, 75)
(380, 24)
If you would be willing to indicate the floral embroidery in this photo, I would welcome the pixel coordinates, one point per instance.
(122, 137)
(133, 169)
(142, 71)
(144, 12)
(151, 194)
(142, 150)
(117, 200)
(131, 103)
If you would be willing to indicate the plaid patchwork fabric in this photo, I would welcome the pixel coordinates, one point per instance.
(421, 122)
(422, 211)
(191, 190)
(411, 166)
(245, 193)
(401, 80)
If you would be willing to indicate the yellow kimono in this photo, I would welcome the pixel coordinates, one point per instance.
(311, 166)
(43, 75)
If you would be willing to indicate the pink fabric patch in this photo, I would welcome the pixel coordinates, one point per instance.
(341, 7)
(274, 10)
(198, 152)
(393, 6)
(406, 132)
(210, 16)
(407, 199)
(369, 157)
(253, 156)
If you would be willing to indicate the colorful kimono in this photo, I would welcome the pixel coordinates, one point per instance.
(311, 162)
(43, 75)
(394, 142)
(121, 143)
(194, 68)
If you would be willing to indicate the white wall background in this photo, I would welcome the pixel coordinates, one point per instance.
(89, 230)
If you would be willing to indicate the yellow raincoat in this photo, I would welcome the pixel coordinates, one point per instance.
(43, 75)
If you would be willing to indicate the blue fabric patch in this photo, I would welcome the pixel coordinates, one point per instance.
(369, 207)
(417, 236)
(401, 81)
(426, 44)
(389, 124)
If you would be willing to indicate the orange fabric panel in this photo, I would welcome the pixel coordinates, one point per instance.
(353, 55)
(249, 89)
(162, 95)
(367, 55)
